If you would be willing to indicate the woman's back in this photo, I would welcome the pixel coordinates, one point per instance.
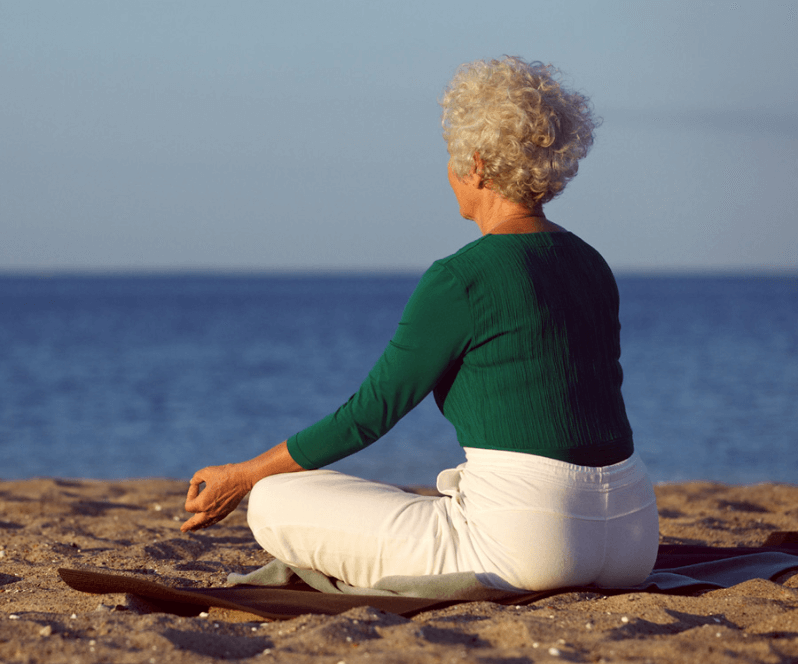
(541, 373)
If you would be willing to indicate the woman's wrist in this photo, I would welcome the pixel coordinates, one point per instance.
(275, 461)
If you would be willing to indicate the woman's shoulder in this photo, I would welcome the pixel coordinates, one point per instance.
(496, 249)
(463, 252)
(505, 258)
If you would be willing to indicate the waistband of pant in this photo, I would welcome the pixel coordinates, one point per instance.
(521, 463)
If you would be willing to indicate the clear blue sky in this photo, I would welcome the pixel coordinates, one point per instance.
(306, 135)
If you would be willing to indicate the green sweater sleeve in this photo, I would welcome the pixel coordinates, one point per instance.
(434, 332)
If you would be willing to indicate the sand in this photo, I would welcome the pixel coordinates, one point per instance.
(132, 527)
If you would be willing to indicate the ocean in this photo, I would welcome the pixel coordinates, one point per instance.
(156, 376)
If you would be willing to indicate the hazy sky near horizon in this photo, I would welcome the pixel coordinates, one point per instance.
(247, 135)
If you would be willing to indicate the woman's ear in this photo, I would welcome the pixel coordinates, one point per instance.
(478, 170)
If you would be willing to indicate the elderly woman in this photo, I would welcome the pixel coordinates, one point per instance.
(517, 336)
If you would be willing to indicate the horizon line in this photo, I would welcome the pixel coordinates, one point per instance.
(228, 272)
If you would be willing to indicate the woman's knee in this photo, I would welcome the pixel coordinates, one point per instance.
(268, 498)
(300, 500)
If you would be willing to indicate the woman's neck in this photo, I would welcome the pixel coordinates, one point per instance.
(507, 218)
(493, 213)
(522, 225)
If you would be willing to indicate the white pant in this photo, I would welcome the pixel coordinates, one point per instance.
(517, 520)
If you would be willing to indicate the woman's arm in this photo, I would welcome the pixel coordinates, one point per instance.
(226, 486)
(434, 332)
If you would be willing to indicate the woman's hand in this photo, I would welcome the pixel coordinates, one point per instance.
(225, 488)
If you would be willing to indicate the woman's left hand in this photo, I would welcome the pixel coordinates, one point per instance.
(225, 488)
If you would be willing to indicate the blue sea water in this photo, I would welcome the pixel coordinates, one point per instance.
(110, 376)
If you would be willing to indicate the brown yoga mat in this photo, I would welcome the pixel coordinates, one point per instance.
(679, 555)
(679, 569)
(272, 603)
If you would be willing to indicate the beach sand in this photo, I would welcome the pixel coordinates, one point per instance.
(132, 527)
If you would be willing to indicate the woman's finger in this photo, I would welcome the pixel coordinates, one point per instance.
(194, 523)
(193, 492)
(199, 503)
(199, 477)
(194, 499)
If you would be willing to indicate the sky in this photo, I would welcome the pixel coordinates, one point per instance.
(305, 136)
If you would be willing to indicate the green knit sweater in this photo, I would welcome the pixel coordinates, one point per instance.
(518, 338)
